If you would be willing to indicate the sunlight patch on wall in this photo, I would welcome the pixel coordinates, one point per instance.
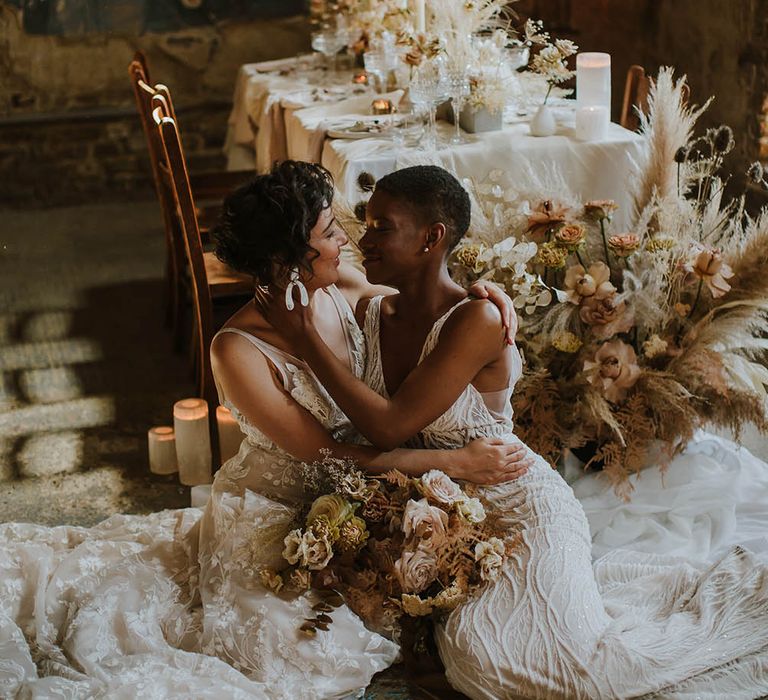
(50, 385)
(50, 453)
(80, 413)
(46, 354)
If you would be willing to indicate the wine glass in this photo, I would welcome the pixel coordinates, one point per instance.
(428, 89)
(376, 65)
(328, 42)
(517, 54)
(457, 81)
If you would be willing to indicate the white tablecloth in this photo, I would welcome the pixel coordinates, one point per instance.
(591, 170)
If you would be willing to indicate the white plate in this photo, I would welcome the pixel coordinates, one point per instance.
(349, 133)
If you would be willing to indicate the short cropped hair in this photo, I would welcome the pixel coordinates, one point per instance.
(269, 219)
(435, 196)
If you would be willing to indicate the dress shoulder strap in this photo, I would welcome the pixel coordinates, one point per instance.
(434, 333)
(279, 358)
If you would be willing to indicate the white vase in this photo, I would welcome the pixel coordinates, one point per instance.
(543, 122)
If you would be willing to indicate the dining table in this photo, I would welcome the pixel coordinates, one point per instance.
(296, 108)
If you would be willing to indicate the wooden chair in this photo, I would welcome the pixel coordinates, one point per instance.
(210, 186)
(209, 279)
(636, 90)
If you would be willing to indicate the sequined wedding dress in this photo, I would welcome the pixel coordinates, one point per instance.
(556, 626)
(169, 605)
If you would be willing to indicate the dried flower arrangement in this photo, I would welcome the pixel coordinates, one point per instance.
(633, 340)
(392, 546)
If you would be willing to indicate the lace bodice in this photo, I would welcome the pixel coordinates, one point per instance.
(473, 414)
(263, 466)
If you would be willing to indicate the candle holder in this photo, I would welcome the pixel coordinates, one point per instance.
(162, 450)
(593, 95)
(382, 106)
(230, 435)
(193, 441)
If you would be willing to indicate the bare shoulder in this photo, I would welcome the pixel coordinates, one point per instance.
(480, 318)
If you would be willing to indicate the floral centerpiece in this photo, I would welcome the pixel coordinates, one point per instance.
(632, 339)
(390, 547)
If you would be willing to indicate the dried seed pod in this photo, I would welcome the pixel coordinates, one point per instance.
(366, 182)
(323, 607)
(322, 617)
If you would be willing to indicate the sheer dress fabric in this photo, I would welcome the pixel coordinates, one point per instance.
(169, 605)
(555, 625)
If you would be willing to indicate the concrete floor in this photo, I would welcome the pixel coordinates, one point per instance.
(86, 368)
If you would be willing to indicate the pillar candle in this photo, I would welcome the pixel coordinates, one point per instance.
(592, 123)
(593, 79)
(193, 441)
(162, 450)
(230, 435)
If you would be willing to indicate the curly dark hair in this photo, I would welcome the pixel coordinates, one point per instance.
(434, 195)
(268, 220)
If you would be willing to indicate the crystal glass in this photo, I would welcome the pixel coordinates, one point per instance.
(457, 82)
(517, 55)
(329, 42)
(428, 89)
(376, 65)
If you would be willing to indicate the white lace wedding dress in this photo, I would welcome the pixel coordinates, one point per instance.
(169, 605)
(556, 626)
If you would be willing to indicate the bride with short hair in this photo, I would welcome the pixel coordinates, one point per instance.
(553, 625)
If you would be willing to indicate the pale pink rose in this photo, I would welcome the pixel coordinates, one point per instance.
(424, 522)
(595, 282)
(707, 264)
(416, 570)
(614, 369)
(440, 487)
(605, 316)
(624, 245)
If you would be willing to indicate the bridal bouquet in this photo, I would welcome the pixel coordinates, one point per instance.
(632, 338)
(389, 547)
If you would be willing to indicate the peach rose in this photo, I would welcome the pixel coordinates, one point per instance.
(597, 209)
(415, 570)
(614, 369)
(605, 316)
(440, 487)
(545, 217)
(581, 284)
(707, 264)
(570, 236)
(424, 522)
(624, 245)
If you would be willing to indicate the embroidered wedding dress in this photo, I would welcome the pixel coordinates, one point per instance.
(556, 626)
(169, 605)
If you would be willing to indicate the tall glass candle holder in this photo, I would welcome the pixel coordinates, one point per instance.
(593, 95)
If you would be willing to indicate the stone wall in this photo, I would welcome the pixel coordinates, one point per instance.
(68, 127)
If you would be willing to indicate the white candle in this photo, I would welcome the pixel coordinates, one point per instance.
(592, 123)
(162, 450)
(193, 441)
(230, 435)
(593, 80)
(420, 13)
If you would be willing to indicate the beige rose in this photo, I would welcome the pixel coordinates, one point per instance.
(570, 236)
(490, 556)
(416, 570)
(440, 487)
(614, 369)
(316, 552)
(707, 264)
(546, 217)
(424, 522)
(336, 508)
(292, 549)
(472, 509)
(356, 486)
(595, 282)
(597, 209)
(605, 316)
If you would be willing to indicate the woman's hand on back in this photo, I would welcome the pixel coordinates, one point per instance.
(485, 289)
(492, 461)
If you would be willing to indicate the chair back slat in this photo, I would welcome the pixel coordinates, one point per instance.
(636, 89)
(178, 176)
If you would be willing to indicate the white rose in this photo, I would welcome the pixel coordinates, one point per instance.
(490, 556)
(472, 509)
(439, 486)
(292, 542)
